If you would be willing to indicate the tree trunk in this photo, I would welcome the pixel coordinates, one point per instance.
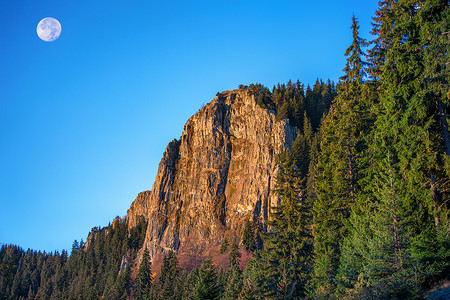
(352, 174)
(444, 127)
(434, 195)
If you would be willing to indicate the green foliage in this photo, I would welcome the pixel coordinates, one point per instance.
(291, 102)
(144, 278)
(337, 168)
(190, 282)
(355, 67)
(234, 283)
(137, 234)
(91, 271)
(248, 240)
(207, 285)
(234, 256)
(224, 246)
(283, 266)
(396, 240)
(379, 248)
(169, 279)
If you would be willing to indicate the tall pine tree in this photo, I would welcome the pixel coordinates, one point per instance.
(285, 263)
(207, 287)
(397, 221)
(169, 278)
(144, 278)
(337, 166)
(379, 248)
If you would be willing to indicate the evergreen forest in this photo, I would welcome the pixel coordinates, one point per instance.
(364, 191)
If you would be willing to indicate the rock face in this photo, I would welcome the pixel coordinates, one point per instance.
(139, 207)
(220, 172)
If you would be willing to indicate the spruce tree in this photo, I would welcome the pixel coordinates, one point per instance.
(382, 24)
(301, 147)
(224, 246)
(434, 21)
(286, 260)
(408, 120)
(355, 65)
(234, 284)
(379, 249)
(336, 173)
(169, 277)
(190, 282)
(234, 277)
(122, 285)
(207, 285)
(403, 172)
(248, 240)
(144, 278)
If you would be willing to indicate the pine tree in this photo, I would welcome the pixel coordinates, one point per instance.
(144, 278)
(207, 286)
(403, 170)
(408, 124)
(336, 173)
(379, 248)
(234, 277)
(355, 66)
(285, 262)
(169, 277)
(248, 240)
(190, 282)
(434, 21)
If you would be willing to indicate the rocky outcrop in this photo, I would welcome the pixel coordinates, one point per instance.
(139, 207)
(220, 171)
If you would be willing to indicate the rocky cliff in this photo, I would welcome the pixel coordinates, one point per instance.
(217, 174)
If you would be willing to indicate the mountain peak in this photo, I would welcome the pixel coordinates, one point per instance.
(219, 173)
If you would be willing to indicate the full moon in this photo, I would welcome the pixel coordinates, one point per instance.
(48, 29)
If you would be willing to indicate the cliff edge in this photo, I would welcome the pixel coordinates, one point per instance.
(218, 173)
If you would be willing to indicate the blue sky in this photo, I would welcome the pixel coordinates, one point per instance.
(84, 120)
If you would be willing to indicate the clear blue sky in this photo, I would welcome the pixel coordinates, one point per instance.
(84, 120)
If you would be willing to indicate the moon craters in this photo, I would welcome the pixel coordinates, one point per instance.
(49, 29)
